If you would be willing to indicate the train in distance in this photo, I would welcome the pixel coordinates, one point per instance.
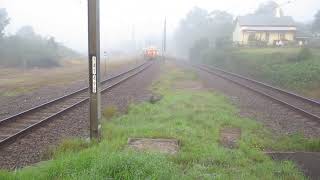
(151, 53)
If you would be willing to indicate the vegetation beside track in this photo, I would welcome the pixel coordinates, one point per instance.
(14, 82)
(289, 68)
(192, 116)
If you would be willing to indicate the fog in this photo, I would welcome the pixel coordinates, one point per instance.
(121, 20)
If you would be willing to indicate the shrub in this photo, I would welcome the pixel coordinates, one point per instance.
(109, 112)
(30, 52)
(304, 54)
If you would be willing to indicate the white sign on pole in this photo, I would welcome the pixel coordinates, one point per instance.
(94, 74)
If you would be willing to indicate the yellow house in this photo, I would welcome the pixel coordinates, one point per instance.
(264, 28)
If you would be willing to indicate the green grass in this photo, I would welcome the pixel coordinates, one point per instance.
(195, 119)
(109, 112)
(274, 66)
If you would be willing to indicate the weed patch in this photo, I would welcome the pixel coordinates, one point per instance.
(67, 146)
(109, 112)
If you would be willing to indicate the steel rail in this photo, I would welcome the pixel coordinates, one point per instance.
(312, 116)
(305, 99)
(11, 138)
(65, 96)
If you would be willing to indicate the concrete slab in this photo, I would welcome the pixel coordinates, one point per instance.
(229, 137)
(167, 146)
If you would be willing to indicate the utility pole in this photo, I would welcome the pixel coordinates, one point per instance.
(105, 63)
(164, 46)
(94, 66)
(133, 38)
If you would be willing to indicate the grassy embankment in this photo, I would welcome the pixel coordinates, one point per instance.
(192, 116)
(277, 66)
(14, 81)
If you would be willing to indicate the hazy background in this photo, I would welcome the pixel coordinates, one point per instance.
(121, 20)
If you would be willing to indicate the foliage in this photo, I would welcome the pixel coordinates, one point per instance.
(26, 49)
(199, 24)
(304, 54)
(67, 146)
(194, 118)
(26, 32)
(316, 23)
(109, 112)
(4, 21)
(198, 47)
(267, 8)
(223, 43)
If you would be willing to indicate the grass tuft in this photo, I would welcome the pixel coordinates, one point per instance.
(67, 146)
(109, 112)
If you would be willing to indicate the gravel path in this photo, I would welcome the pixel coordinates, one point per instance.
(29, 149)
(279, 119)
(12, 105)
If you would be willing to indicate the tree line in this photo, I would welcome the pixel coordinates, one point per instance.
(201, 30)
(27, 49)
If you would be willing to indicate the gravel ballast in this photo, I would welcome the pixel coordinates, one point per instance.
(13, 105)
(276, 117)
(75, 123)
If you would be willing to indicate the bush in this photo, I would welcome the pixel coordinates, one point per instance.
(110, 112)
(303, 55)
(29, 52)
(197, 48)
(314, 43)
(215, 56)
(223, 43)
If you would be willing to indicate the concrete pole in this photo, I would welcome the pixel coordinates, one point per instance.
(164, 39)
(94, 67)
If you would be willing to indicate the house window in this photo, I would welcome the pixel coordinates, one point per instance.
(252, 36)
(267, 36)
(282, 36)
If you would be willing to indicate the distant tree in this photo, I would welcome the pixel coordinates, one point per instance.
(198, 25)
(193, 27)
(198, 47)
(4, 21)
(220, 25)
(220, 16)
(27, 49)
(316, 23)
(52, 43)
(26, 31)
(267, 8)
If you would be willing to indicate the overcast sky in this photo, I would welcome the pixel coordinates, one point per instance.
(67, 19)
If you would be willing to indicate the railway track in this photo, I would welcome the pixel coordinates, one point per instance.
(305, 106)
(19, 124)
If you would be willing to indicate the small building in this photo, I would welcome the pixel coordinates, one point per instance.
(264, 28)
(303, 37)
